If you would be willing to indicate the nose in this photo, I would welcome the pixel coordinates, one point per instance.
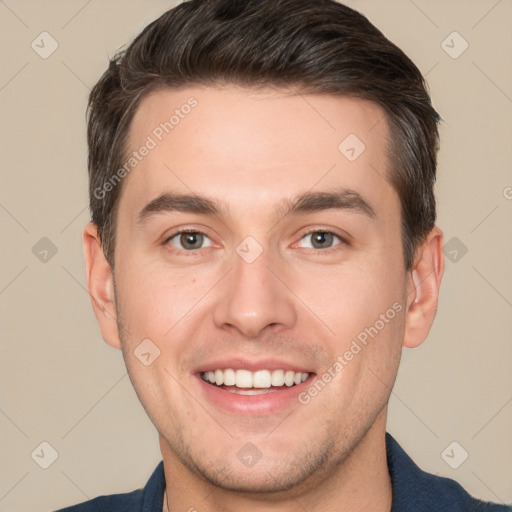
(254, 297)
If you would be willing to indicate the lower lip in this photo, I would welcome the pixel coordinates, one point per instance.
(257, 405)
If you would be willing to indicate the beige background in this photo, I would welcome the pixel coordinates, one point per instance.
(60, 383)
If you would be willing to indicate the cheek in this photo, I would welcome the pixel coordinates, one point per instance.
(349, 298)
(362, 313)
(153, 297)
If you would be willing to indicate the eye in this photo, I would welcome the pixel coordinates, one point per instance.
(320, 240)
(189, 240)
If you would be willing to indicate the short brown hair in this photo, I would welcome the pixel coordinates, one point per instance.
(316, 46)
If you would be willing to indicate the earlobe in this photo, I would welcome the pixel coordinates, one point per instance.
(425, 281)
(100, 283)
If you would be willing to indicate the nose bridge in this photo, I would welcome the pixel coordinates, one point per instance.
(252, 298)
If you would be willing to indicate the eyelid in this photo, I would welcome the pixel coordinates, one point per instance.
(344, 238)
(187, 228)
(180, 231)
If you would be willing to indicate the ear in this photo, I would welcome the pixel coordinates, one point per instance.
(423, 289)
(100, 283)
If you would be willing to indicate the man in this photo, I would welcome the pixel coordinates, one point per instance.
(262, 245)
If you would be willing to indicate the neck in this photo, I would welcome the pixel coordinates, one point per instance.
(360, 482)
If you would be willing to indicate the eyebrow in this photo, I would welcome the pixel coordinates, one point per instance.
(308, 202)
(340, 199)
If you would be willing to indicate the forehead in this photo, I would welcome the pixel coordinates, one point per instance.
(236, 144)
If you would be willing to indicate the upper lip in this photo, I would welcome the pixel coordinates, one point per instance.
(253, 365)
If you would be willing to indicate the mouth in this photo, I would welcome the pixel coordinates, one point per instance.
(245, 382)
(254, 392)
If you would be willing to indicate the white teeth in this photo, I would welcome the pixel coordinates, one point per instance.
(243, 379)
(278, 378)
(229, 377)
(261, 379)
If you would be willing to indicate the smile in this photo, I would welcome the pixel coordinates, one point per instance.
(245, 382)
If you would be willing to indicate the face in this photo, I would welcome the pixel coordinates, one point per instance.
(258, 246)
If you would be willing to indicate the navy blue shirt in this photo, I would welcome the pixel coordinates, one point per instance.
(413, 491)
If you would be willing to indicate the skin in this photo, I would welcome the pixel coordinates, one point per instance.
(250, 150)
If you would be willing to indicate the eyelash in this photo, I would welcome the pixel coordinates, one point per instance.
(343, 241)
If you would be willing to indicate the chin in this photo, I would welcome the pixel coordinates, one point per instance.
(271, 474)
(255, 481)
